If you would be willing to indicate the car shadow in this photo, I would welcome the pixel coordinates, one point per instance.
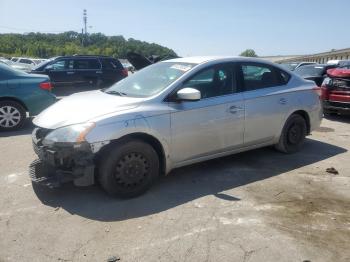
(187, 184)
(26, 129)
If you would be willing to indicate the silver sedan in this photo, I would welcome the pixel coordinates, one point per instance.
(171, 114)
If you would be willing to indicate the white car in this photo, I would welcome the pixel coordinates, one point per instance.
(25, 64)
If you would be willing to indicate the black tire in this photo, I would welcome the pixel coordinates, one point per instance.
(128, 169)
(12, 115)
(293, 135)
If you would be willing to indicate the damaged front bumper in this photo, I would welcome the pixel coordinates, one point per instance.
(61, 162)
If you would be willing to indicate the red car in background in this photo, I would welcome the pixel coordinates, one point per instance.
(336, 91)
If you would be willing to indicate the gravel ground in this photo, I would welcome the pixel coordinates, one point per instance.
(255, 206)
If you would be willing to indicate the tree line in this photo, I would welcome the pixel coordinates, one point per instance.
(69, 43)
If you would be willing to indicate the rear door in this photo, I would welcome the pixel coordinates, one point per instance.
(86, 72)
(266, 101)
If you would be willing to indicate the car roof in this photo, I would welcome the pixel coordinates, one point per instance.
(83, 56)
(205, 59)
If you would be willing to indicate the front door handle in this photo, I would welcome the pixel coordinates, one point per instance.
(283, 101)
(70, 73)
(98, 72)
(235, 109)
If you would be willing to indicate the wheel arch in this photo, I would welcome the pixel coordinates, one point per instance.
(147, 138)
(306, 117)
(9, 98)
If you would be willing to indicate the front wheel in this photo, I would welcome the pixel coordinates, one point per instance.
(293, 134)
(12, 115)
(128, 169)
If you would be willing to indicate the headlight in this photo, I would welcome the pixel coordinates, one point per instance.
(69, 134)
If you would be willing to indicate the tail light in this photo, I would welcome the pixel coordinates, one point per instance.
(324, 92)
(46, 86)
(125, 72)
(325, 88)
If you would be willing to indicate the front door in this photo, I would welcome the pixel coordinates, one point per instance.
(57, 71)
(211, 125)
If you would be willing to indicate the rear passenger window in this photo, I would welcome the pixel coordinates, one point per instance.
(86, 64)
(110, 64)
(284, 76)
(256, 76)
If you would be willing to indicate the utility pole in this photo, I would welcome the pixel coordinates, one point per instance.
(85, 21)
(82, 37)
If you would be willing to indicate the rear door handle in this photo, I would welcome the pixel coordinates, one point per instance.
(70, 73)
(98, 72)
(235, 109)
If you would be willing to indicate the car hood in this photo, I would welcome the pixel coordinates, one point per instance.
(82, 107)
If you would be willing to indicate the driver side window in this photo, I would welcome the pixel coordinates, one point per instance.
(212, 82)
(59, 65)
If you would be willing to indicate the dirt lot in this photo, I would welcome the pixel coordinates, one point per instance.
(255, 206)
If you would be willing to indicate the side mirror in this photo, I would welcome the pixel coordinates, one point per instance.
(188, 94)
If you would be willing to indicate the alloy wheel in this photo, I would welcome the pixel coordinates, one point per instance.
(9, 116)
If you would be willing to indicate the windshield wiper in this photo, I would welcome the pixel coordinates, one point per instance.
(112, 92)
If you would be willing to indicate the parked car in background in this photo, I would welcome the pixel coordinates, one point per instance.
(344, 64)
(81, 72)
(21, 93)
(294, 65)
(171, 114)
(23, 64)
(28, 61)
(5, 61)
(336, 91)
(38, 61)
(339, 63)
(22, 67)
(314, 72)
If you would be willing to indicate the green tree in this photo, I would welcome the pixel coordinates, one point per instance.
(249, 53)
(69, 43)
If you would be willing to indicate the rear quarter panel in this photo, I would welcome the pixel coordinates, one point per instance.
(301, 96)
(27, 91)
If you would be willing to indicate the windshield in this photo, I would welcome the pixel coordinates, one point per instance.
(309, 71)
(290, 66)
(150, 80)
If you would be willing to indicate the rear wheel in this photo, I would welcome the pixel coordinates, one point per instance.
(128, 169)
(12, 115)
(293, 134)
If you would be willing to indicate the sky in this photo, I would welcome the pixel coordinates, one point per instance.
(194, 27)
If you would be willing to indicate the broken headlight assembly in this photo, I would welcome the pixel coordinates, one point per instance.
(69, 134)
